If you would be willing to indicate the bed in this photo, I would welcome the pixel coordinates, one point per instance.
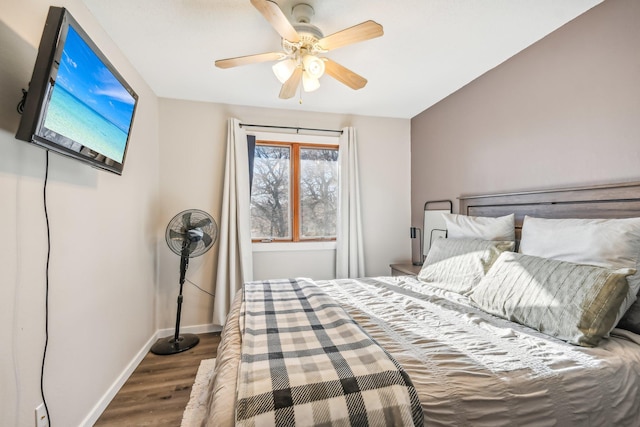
(507, 346)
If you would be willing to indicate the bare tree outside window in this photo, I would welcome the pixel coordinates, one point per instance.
(294, 193)
(318, 192)
(270, 192)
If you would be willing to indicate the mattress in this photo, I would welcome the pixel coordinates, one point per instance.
(468, 367)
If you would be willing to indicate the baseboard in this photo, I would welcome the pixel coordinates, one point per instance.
(102, 404)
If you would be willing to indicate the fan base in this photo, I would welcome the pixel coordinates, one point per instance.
(169, 345)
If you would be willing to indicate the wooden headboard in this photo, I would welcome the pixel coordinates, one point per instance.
(600, 201)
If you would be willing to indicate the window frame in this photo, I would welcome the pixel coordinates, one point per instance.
(294, 188)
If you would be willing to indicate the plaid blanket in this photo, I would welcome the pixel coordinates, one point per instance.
(306, 362)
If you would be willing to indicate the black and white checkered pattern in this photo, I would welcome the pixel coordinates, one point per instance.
(306, 362)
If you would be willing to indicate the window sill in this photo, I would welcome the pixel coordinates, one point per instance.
(293, 246)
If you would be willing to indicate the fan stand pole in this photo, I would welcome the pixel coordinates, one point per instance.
(177, 343)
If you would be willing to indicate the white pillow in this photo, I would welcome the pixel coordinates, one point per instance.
(458, 264)
(610, 243)
(480, 227)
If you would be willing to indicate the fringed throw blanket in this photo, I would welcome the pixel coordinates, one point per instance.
(306, 362)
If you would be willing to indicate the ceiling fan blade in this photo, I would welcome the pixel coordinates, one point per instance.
(250, 59)
(272, 13)
(177, 236)
(358, 33)
(344, 75)
(290, 86)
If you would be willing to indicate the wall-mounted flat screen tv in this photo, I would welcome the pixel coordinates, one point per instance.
(77, 103)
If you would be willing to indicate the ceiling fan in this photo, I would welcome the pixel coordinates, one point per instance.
(302, 43)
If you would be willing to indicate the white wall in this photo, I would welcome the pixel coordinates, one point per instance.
(104, 232)
(193, 144)
(113, 281)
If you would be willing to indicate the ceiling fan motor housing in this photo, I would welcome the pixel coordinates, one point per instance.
(309, 33)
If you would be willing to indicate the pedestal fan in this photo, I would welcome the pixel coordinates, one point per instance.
(189, 234)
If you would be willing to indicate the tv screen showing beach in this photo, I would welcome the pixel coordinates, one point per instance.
(88, 104)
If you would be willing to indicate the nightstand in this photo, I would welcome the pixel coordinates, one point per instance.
(405, 269)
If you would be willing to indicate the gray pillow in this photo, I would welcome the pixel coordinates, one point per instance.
(610, 243)
(573, 302)
(459, 264)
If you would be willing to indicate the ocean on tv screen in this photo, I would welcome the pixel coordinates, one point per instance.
(88, 104)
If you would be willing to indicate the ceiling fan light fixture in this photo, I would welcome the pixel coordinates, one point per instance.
(313, 65)
(309, 83)
(284, 69)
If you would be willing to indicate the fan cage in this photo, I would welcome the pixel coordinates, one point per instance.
(188, 220)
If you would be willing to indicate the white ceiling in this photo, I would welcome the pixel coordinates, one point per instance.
(430, 48)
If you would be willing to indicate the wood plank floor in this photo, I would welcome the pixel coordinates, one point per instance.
(158, 390)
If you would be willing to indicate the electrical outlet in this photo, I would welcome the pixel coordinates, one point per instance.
(41, 416)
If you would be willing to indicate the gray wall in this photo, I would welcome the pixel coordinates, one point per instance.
(564, 112)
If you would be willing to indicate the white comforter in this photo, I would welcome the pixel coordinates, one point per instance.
(470, 368)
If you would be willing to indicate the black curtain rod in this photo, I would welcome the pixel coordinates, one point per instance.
(297, 129)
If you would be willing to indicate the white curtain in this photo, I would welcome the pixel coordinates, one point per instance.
(235, 262)
(349, 250)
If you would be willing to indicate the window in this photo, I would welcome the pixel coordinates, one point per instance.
(294, 193)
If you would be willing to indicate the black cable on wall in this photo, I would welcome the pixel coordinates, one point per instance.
(46, 292)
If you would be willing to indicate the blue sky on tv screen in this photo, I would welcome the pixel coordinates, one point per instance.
(83, 74)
